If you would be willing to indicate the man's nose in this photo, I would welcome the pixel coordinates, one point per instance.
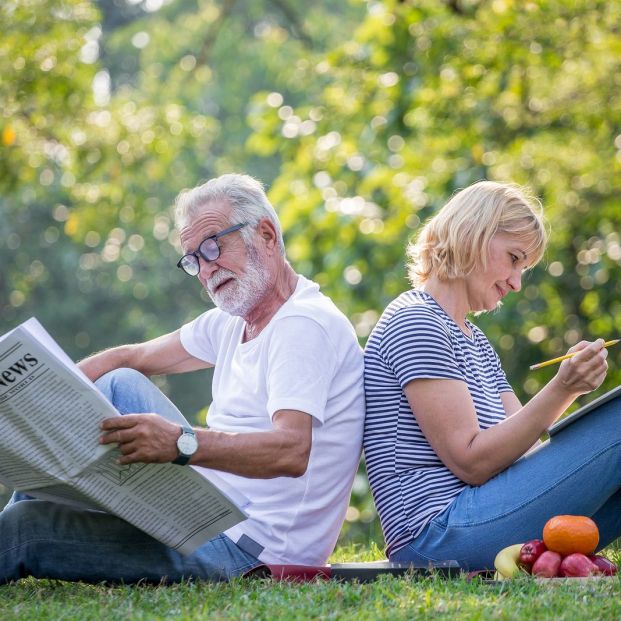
(206, 268)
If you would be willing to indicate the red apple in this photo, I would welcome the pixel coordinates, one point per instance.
(608, 568)
(578, 565)
(547, 565)
(531, 551)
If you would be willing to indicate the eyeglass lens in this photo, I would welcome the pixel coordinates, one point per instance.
(189, 264)
(209, 250)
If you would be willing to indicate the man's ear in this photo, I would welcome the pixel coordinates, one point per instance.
(267, 232)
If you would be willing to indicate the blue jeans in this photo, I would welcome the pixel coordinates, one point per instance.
(50, 540)
(577, 472)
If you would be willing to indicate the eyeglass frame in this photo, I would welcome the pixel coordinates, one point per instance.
(197, 254)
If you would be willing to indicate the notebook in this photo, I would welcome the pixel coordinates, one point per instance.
(585, 409)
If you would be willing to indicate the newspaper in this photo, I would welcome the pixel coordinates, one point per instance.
(50, 414)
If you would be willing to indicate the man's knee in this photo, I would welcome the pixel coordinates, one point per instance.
(119, 382)
(131, 392)
(120, 378)
(21, 521)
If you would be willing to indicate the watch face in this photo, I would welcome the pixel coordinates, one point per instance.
(187, 444)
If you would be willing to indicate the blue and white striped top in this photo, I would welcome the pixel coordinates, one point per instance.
(416, 339)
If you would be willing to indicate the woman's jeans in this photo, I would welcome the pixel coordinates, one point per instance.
(50, 540)
(577, 472)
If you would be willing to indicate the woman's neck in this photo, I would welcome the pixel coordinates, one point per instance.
(451, 296)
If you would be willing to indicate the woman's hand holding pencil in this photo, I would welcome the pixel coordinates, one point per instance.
(547, 363)
(583, 370)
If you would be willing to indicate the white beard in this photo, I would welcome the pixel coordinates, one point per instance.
(242, 295)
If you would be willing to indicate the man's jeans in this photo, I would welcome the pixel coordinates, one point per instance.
(577, 472)
(51, 540)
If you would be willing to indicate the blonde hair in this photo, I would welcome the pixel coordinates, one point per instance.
(455, 241)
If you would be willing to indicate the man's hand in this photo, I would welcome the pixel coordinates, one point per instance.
(146, 438)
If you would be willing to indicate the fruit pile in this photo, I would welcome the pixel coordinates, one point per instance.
(566, 550)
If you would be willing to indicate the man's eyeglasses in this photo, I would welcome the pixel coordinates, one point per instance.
(209, 249)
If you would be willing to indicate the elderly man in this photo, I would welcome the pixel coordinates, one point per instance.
(285, 424)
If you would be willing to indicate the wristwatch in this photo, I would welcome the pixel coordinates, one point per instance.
(186, 445)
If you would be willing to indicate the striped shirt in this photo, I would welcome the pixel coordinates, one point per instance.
(416, 339)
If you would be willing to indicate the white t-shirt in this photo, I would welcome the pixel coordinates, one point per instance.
(307, 358)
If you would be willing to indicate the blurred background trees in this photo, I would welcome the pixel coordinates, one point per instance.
(361, 117)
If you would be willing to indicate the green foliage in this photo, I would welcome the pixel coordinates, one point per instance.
(106, 116)
(43, 87)
(108, 110)
(363, 117)
(425, 99)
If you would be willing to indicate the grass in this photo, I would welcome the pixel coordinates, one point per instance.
(388, 598)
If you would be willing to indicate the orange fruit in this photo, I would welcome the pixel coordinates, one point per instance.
(567, 534)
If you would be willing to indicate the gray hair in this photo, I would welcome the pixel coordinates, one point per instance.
(244, 194)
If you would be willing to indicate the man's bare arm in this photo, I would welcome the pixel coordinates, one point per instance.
(284, 450)
(161, 356)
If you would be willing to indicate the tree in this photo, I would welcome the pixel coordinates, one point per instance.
(109, 109)
(363, 117)
(107, 115)
(425, 99)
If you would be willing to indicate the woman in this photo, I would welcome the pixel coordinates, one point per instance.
(447, 443)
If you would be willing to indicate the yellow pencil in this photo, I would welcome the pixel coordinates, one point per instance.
(547, 363)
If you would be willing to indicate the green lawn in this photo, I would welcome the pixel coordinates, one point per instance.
(387, 598)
